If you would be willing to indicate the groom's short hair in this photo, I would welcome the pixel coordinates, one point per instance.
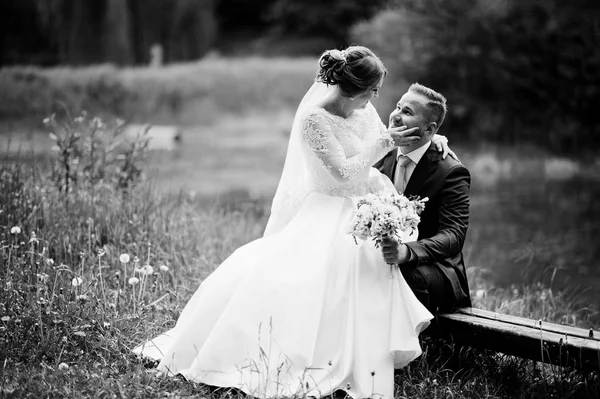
(436, 102)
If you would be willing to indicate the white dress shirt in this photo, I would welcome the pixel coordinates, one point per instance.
(415, 156)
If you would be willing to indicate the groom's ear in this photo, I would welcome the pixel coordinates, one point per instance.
(431, 128)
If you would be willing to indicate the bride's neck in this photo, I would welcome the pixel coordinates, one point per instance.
(338, 105)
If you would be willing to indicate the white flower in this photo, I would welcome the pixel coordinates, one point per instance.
(63, 366)
(124, 258)
(15, 230)
(77, 281)
(50, 261)
(479, 294)
(164, 268)
(147, 270)
(82, 297)
(133, 280)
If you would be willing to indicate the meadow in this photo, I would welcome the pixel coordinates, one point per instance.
(70, 310)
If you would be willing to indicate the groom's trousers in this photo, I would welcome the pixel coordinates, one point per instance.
(430, 286)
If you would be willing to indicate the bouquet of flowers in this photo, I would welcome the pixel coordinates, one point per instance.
(386, 216)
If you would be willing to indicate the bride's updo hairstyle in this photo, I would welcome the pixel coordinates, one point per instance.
(355, 70)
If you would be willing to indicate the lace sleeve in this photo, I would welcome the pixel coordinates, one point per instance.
(317, 133)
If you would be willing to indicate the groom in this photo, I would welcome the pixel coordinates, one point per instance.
(433, 265)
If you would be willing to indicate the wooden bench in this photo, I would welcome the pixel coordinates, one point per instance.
(537, 340)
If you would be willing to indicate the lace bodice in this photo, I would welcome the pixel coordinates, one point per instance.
(340, 151)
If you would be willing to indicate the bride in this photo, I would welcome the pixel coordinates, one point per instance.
(304, 310)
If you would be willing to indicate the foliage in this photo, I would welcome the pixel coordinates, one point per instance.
(513, 71)
(88, 157)
(186, 93)
(75, 32)
(324, 19)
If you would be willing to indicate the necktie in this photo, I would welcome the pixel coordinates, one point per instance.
(400, 176)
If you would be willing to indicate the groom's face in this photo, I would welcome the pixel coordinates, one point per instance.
(411, 111)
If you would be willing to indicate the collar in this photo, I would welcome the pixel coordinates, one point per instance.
(416, 154)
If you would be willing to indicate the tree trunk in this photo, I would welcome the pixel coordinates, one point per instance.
(117, 33)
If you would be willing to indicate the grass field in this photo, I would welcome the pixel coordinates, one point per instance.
(531, 251)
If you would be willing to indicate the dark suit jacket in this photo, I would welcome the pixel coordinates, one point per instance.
(444, 222)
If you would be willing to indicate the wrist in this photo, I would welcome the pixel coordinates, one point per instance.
(403, 254)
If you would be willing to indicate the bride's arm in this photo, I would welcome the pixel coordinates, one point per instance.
(317, 133)
(441, 144)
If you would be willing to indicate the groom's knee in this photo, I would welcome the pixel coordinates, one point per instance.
(427, 283)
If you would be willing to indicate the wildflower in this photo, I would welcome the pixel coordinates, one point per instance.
(133, 280)
(42, 277)
(147, 270)
(164, 268)
(136, 259)
(77, 281)
(543, 296)
(64, 339)
(33, 238)
(106, 324)
(82, 297)
(124, 258)
(480, 294)
(101, 252)
(15, 230)
(63, 366)
(50, 261)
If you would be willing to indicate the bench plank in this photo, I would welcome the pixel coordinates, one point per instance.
(521, 321)
(520, 338)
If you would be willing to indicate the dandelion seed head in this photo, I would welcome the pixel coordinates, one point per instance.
(133, 280)
(164, 268)
(124, 258)
(77, 281)
(15, 230)
(63, 366)
(147, 270)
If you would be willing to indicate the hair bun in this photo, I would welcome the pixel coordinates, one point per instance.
(331, 66)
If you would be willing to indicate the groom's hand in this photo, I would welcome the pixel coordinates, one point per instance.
(403, 136)
(394, 251)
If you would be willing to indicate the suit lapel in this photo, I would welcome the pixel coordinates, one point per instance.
(423, 170)
(389, 164)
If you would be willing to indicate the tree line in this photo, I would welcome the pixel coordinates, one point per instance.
(75, 32)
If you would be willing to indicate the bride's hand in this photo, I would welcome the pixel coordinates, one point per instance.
(403, 136)
(441, 144)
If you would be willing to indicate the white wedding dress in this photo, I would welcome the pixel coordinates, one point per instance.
(305, 310)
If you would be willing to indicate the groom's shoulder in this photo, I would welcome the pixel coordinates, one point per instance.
(451, 165)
